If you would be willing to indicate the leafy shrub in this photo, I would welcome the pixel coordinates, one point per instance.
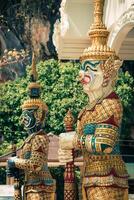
(60, 91)
(125, 89)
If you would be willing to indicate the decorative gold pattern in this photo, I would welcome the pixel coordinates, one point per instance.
(106, 136)
(69, 121)
(40, 196)
(33, 160)
(40, 188)
(69, 191)
(36, 157)
(104, 181)
(34, 103)
(88, 144)
(102, 165)
(105, 193)
(70, 195)
(69, 187)
(102, 141)
(33, 85)
(102, 112)
(98, 34)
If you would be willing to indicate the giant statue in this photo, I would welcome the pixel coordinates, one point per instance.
(32, 159)
(98, 125)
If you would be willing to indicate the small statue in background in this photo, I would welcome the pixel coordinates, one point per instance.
(38, 183)
(98, 125)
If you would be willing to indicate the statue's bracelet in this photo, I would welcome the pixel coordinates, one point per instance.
(82, 141)
(76, 141)
(79, 142)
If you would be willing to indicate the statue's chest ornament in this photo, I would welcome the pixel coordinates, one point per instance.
(26, 151)
(26, 148)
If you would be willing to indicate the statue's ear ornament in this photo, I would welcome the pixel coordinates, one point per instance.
(110, 69)
(117, 64)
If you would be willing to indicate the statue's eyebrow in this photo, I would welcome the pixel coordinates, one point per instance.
(94, 64)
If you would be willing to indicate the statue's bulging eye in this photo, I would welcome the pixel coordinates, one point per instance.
(92, 65)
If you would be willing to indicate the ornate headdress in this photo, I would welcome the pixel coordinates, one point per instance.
(99, 49)
(34, 92)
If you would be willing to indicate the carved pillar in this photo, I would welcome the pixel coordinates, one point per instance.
(69, 175)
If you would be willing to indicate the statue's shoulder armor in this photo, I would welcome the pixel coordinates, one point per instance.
(109, 108)
(32, 136)
(81, 113)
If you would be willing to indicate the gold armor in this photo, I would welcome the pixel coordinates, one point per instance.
(102, 164)
(33, 160)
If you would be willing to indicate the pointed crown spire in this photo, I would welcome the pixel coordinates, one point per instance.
(99, 35)
(34, 102)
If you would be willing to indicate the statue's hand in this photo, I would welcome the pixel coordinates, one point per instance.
(65, 156)
(67, 140)
(11, 162)
(12, 171)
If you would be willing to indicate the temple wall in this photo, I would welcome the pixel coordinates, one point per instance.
(71, 33)
(114, 9)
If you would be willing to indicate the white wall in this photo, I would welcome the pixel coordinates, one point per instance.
(71, 36)
(114, 9)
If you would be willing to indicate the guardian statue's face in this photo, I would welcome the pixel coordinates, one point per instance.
(91, 75)
(28, 119)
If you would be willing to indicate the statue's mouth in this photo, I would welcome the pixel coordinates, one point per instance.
(86, 80)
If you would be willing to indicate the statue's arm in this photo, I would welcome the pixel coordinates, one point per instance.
(104, 135)
(103, 140)
(38, 154)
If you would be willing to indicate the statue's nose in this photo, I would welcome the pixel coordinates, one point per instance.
(22, 119)
(81, 75)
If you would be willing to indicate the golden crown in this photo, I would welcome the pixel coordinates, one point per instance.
(34, 103)
(34, 92)
(99, 50)
(98, 34)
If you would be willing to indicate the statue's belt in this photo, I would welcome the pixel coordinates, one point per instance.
(87, 158)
